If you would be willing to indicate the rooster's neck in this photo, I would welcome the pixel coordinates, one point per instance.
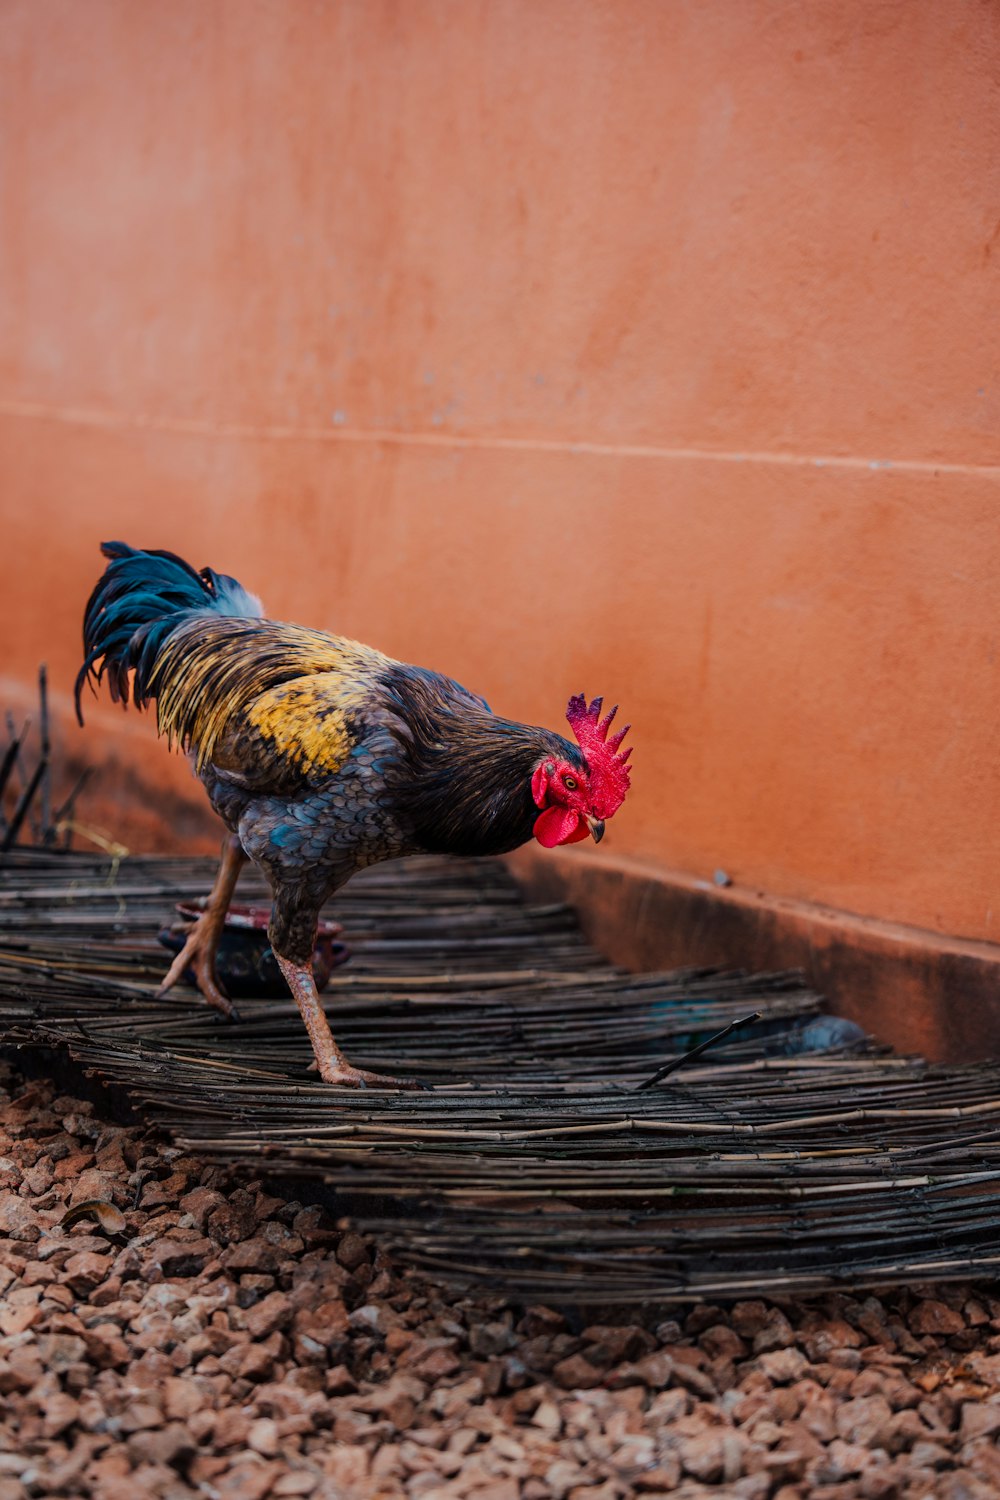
(464, 782)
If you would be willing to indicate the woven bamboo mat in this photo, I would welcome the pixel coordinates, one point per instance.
(532, 1162)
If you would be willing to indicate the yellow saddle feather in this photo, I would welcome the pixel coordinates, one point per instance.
(295, 686)
(307, 722)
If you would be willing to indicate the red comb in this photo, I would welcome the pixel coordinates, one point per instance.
(609, 772)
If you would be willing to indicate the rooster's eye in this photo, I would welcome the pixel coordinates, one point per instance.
(569, 783)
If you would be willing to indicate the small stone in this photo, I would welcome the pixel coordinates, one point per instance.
(232, 1220)
(339, 1381)
(784, 1366)
(105, 1347)
(703, 1457)
(928, 1455)
(60, 1413)
(789, 1462)
(819, 1343)
(491, 1338)
(576, 1374)
(275, 1311)
(865, 1421)
(561, 1476)
(983, 1457)
(979, 1419)
(903, 1430)
(263, 1437)
(58, 1351)
(314, 1228)
(547, 1418)
(352, 1251)
(253, 1286)
(719, 1340)
(684, 1373)
(83, 1272)
(18, 1220)
(397, 1400)
(199, 1203)
(347, 1467)
(841, 1461)
(432, 1359)
(370, 1318)
(169, 1258)
(935, 1318)
(258, 1360)
(975, 1313)
(247, 1480)
(170, 1445)
(655, 1371)
(612, 1346)
(158, 1194)
(774, 1333)
(182, 1397)
(19, 1319)
(660, 1480)
(963, 1485)
(540, 1321)
(327, 1322)
(748, 1318)
(96, 1185)
(252, 1255)
(231, 1427)
(298, 1482)
(141, 1416)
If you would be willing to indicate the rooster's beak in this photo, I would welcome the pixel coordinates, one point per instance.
(596, 827)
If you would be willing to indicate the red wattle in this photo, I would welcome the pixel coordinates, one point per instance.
(559, 825)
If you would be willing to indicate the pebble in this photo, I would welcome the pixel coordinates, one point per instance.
(933, 1317)
(784, 1366)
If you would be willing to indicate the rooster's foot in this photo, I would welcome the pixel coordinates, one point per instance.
(346, 1076)
(331, 1064)
(199, 951)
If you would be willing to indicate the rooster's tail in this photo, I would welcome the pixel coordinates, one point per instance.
(139, 601)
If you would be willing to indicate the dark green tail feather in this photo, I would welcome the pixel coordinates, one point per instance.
(137, 604)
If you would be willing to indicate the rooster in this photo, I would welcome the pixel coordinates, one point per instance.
(322, 756)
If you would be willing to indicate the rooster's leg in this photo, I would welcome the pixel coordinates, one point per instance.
(331, 1062)
(203, 939)
(293, 936)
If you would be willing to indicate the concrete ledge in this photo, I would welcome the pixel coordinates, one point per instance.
(916, 990)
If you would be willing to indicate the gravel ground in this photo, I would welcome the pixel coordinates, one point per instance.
(227, 1343)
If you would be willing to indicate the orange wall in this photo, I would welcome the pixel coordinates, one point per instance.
(644, 347)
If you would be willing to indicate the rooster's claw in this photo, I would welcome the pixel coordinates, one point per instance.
(347, 1076)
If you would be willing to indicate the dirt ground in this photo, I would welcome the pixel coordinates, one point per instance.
(228, 1343)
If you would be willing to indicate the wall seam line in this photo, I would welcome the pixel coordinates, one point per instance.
(375, 436)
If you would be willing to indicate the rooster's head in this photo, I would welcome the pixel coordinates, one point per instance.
(576, 800)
